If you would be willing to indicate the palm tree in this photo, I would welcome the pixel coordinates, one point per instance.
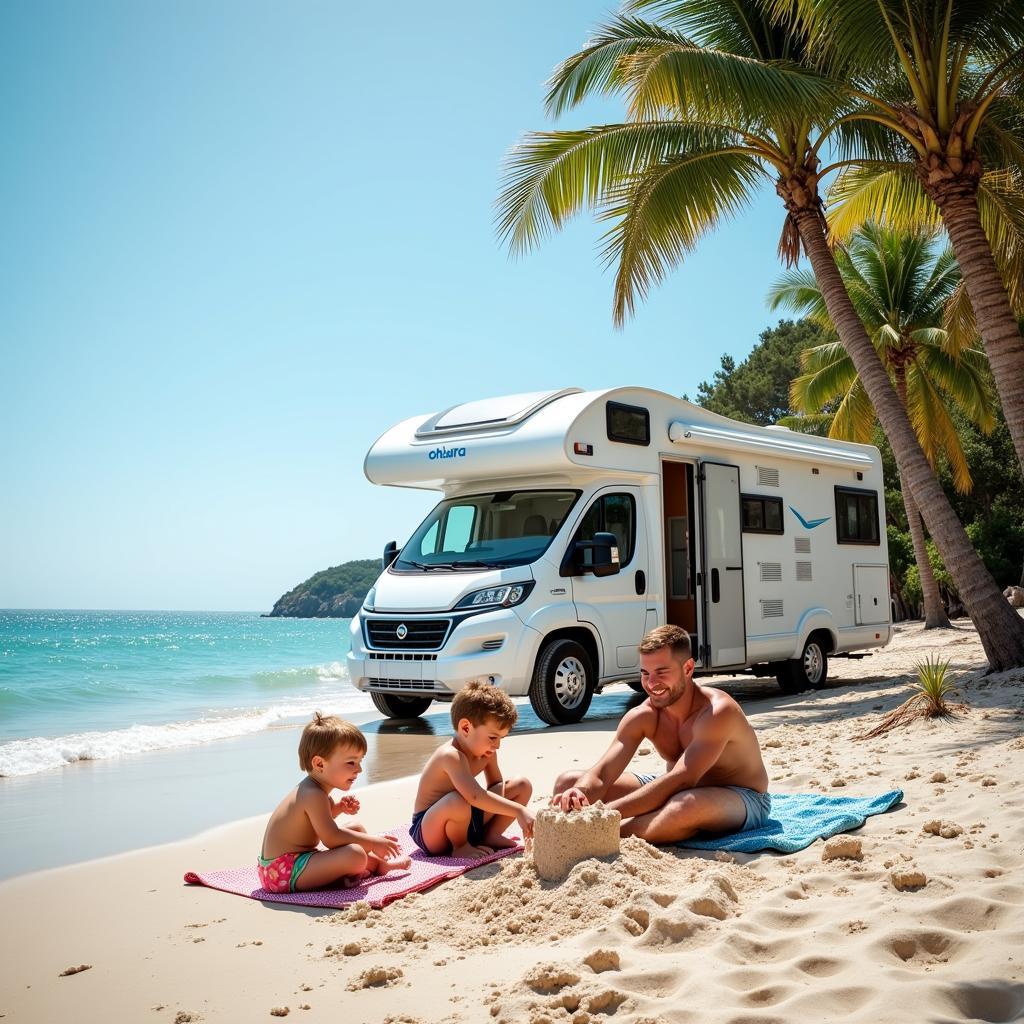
(720, 104)
(945, 80)
(899, 288)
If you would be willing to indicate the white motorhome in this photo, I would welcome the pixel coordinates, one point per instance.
(572, 522)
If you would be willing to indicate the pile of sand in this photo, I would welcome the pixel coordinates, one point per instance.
(644, 891)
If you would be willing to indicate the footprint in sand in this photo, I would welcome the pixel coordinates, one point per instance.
(819, 966)
(918, 947)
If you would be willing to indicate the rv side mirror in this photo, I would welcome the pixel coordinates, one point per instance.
(390, 553)
(605, 554)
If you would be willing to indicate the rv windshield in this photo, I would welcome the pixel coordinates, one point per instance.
(484, 531)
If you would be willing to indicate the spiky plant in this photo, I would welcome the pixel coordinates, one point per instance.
(933, 695)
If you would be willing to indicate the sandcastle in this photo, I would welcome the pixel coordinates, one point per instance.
(564, 838)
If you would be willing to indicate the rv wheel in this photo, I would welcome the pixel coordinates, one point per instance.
(808, 672)
(396, 705)
(563, 683)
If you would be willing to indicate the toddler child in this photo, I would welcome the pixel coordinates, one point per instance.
(454, 814)
(331, 754)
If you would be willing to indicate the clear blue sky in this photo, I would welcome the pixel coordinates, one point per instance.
(241, 239)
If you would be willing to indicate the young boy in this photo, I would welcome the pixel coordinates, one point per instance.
(454, 815)
(331, 753)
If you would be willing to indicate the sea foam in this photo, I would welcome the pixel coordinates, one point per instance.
(42, 753)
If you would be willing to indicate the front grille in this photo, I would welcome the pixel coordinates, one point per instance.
(400, 656)
(405, 685)
(420, 634)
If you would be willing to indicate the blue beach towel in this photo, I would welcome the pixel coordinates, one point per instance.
(798, 819)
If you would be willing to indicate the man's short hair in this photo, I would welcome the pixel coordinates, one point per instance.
(479, 701)
(667, 636)
(324, 735)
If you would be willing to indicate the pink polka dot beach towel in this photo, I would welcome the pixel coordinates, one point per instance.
(378, 891)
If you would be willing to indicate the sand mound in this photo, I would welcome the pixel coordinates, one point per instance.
(645, 890)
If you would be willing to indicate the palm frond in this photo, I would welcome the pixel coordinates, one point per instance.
(964, 377)
(827, 374)
(818, 423)
(551, 176)
(742, 27)
(854, 417)
(664, 211)
(597, 68)
(888, 194)
(936, 432)
(702, 82)
(798, 291)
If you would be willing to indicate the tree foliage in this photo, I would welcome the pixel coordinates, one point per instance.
(757, 390)
(336, 592)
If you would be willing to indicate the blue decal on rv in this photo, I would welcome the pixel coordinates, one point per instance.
(447, 453)
(808, 524)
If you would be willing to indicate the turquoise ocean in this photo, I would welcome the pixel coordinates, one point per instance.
(95, 685)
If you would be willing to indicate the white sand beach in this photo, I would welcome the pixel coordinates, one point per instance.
(667, 936)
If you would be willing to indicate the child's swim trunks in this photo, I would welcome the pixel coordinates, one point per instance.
(281, 873)
(477, 827)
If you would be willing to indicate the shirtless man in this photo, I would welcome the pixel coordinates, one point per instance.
(715, 780)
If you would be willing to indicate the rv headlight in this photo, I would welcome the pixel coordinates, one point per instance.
(493, 597)
(370, 600)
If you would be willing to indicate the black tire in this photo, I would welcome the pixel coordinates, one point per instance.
(563, 683)
(397, 705)
(808, 672)
(635, 684)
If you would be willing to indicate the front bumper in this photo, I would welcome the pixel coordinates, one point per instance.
(493, 646)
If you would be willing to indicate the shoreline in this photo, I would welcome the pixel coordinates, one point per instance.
(178, 793)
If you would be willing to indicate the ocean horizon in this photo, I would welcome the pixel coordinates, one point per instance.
(89, 685)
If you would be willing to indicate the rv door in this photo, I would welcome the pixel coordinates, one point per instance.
(724, 644)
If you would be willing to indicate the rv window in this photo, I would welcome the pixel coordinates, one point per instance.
(856, 516)
(762, 514)
(458, 527)
(611, 513)
(628, 424)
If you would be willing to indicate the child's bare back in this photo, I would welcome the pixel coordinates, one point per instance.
(331, 752)
(454, 814)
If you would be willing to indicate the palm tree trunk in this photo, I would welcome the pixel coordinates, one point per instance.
(992, 310)
(934, 611)
(1000, 628)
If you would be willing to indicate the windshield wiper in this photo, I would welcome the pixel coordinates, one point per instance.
(453, 566)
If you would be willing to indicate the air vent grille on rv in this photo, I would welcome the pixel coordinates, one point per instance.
(771, 572)
(771, 609)
(802, 545)
(767, 477)
(803, 572)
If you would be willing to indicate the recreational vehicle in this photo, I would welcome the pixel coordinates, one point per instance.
(572, 522)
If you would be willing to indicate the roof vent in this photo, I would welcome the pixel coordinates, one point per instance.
(803, 572)
(771, 609)
(802, 545)
(767, 477)
(490, 413)
(771, 572)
